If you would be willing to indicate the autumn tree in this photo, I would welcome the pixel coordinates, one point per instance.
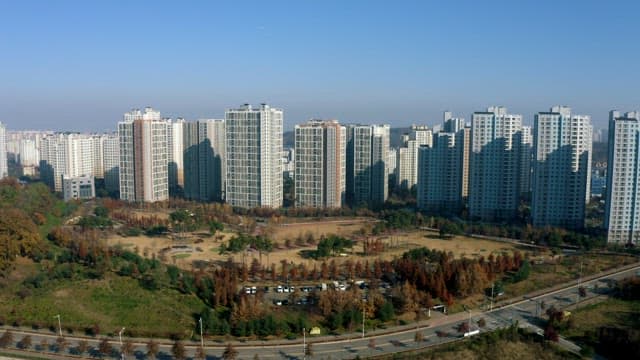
(200, 354)
(19, 236)
(178, 351)
(25, 342)
(152, 349)
(105, 347)
(82, 347)
(61, 344)
(230, 352)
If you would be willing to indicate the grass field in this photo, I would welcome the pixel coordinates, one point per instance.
(612, 312)
(113, 303)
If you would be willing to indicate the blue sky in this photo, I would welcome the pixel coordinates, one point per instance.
(78, 65)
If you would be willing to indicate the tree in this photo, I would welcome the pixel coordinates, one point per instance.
(61, 344)
(127, 347)
(551, 334)
(372, 344)
(582, 291)
(19, 236)
(44, 344)
(82, 347)
(105, 347)
(6, 339)
(200, 354)
(152, 349)
(25, 342)
(230, 352)
(418, 337)
(178, 350)
(308, 349)
(482, 323)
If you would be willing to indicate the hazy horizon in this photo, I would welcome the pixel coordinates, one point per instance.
(78, 66)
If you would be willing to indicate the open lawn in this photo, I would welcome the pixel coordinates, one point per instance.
(205, 247)
(113, 303)
(612, 312)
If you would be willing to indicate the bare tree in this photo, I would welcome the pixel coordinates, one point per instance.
(61, 344)
(6, 339)
(105, 347)
(82, 347)
(44, 345)
(127, 347)
(152, 349)
(230, 352)
(25, 342)
(418, 337)
(178, 351)
(200, 354)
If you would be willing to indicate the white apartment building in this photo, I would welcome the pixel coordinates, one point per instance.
(143, 156)
(4, 170)
(111, 162)
(494, 165)
(622, 212)
(69, 154)
(204, 160)
(526, 166)
(562, 168)
(320, 164)
(367, 151)
(407, 155)
(254, 156)
(440, 174)
(175, 147)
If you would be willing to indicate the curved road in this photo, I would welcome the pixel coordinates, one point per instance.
(526, 312)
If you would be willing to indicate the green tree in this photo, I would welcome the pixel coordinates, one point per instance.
(386, 312)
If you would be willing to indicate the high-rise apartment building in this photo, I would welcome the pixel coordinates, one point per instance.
(622, 213)
(407, 155)
(494, 183)
(367, 151)
(440, 174)
(4, 170)
(320, 164)
(562, 168)
(204, 160)
(526, 164)
(254, 156)
(111, 162)
(69, 154)
(143, 156)
(175, 148)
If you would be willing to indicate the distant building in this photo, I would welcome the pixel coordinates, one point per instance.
(407, 155)
(143, 156)
(204, 160)
(254, 156)
(622, 212)
(494, 183)
(111, 162)
(562, 168)
(440, 174)
(320, 164)
(69, 154)
(80, 187)
(598, 181)
(175, 152)
(367, 177)
(289, 162)
(4, 172)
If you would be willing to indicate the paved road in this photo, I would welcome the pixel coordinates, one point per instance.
(526, 312)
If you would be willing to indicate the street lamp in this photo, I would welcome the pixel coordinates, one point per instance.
(121, 348)
(59, 325)
(304, 343)
(201, 338)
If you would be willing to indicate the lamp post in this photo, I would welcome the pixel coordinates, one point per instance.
(304, 343)
(363, 315)
(201, 338)
(59, 325)
(121, 348)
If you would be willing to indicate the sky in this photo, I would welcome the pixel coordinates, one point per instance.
(79, 65)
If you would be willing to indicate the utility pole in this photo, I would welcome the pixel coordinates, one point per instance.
(201, 338)
(59, 325)
(121, 348)
(469, 322)
(304, 344)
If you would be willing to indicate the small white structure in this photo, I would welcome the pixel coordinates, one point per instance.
(79, 187)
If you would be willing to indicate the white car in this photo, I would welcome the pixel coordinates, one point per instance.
(279, 289)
